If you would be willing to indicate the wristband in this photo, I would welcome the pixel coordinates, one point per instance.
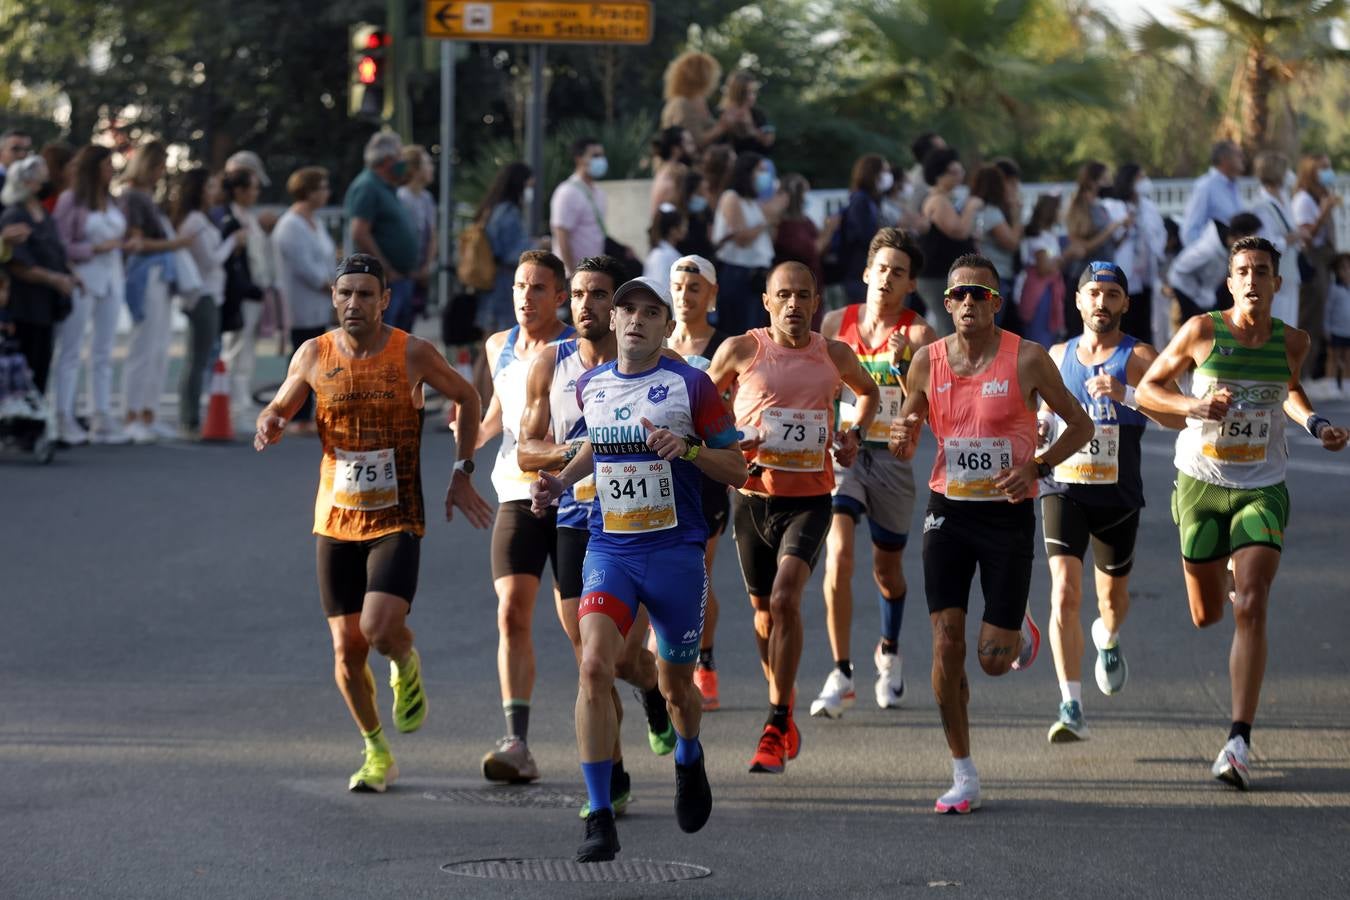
(691, 453)
(1129, 398)
(1315, 424)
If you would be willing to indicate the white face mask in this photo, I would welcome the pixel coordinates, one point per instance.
(885, 183)
(1143, 187)
(527, 196)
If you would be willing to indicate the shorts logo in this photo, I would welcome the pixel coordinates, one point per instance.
(933, 523)
(691, 634)
(994, 388)
(658, 393)
(594, 579)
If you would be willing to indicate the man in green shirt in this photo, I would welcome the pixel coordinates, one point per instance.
(380, 224)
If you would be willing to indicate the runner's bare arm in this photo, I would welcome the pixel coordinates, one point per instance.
(548, 488)
(535, 450)
(730, 360)
(1297, 406)
(1140, 361)
(430, 367)
(725, 464)
(1044, 379)
(271, 424)
(829, 326)
(905, 429)
(491, 425)
(1158, 389)
(858, 380)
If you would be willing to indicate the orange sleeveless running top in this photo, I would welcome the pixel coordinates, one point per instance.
(787, 396)
(981, 422)
(370, 484)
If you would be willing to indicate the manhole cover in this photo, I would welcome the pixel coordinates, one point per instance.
(631, 871)
(531, 797)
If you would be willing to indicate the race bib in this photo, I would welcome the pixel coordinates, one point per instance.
(365, 480)
(1096, 462)
(1241, 437)
(972, 466)
(794, 439)
(892, 398)
(636, 497)
(584, 490)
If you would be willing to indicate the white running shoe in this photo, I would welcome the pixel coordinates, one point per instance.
(510, 761)
(890, 687)
(1110, 668)
(1231, 766)
(836, 696)
(962, 798)
(140, 433)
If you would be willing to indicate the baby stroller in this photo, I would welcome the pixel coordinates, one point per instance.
(23, 411)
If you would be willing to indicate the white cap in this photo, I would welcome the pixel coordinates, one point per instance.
(247, 159)
(650, 285)
(694, 263)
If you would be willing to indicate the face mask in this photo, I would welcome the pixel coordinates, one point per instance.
(527, 197)
(698, 204)
(885, 183)
(598, 167)
(1327, 176)
(763, 183)
(1290, 179)
(1143, 187)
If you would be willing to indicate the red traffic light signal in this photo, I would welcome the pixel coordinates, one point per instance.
(368, 70)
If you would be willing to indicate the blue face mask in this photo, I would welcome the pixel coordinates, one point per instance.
(1327, 176)
(698, 204)
(764, 184)
(598, 167)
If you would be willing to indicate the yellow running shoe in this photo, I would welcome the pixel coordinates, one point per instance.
(410, 702)
(376, 774)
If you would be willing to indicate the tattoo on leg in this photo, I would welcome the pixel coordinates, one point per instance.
(991, 648)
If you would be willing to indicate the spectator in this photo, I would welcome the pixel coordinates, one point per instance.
(1039, 288)
(673, 150)
(922, 146)
(14, 146)
(897, 205)
(244, 296)
(577, 209)
(1272, 207)
(741, 233)
(502, 216)
(60, 159)
(746, 127)
(247, 160)
(871, 179)
(667, 230)
(197, 191)
(689, 79)
(950, 231)
(798, 238)
(421, 209)
(380, 225)
(998, 225)
(698, 216)
(1338, 327)
(150, 274)
(1314, 204)
(41, 282)
(1141, 250)
(1092, 233)
(306, 259)
(1215, 197)
(1201, 267)
(94, 233)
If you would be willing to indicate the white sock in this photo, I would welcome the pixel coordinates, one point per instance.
(1071, 690)
(964, 770)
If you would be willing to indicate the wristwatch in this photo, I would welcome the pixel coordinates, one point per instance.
(691, 453)
(1043, 468)
(464, 465)
(857, 432)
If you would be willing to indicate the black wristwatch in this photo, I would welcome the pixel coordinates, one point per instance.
(1043, 468)
(465, 466)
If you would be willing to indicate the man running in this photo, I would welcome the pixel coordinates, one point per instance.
(979, 389)
(551, 433)
(1231, 504)
(1096, 494)
(786, 378)
(367, 380)
(521, 542)
(653, 425)
(884, 335)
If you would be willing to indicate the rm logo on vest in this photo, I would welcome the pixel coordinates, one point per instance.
(994, 388)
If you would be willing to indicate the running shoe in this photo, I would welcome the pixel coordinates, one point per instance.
(706, 682)
(510, 762)
(962, 799)
(1110, 670)
(620, 794)
(836, 696)
(1231, 766)
(890, 679)
(376, 773)
(410, 703)
(792, 740)
(602, 838)
(661, 742)
(1070, 726)
(1031, 643)
(693, 796)
(771, 754)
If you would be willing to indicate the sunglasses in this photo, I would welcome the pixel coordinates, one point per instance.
(977, 292)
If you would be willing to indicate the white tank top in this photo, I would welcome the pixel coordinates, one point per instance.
(756, 255)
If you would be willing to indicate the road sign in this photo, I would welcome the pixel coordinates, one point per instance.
(550, 22)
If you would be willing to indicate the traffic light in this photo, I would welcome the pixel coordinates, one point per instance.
(369, 46)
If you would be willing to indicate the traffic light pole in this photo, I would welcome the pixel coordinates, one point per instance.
(445, 213)
(534, 138)
(396, 112)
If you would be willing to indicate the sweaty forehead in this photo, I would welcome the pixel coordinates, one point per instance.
(972, 275)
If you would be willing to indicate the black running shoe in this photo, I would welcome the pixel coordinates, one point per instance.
(693, 796)
(602, 838)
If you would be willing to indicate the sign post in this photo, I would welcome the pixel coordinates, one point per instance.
(445, 216)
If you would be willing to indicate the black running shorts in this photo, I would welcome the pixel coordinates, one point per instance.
(996, 536)
(572, 543)
(1069, 525)
(769, 528)
(523, 542)
(348, 570)
(716, 506)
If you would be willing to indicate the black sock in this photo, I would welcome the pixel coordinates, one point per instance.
(1242, 730)
(890, 647)
(617, 776)
(517, 718)
(778, 717)
(658, 719)
(705, 659)
(844, 666)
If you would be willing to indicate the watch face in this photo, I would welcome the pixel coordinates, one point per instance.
(465, 466)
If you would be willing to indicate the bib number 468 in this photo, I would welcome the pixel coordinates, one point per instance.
(973, 461)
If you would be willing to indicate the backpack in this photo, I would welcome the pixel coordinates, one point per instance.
(477, 268)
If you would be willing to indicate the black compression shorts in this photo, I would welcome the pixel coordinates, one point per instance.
(996, 536)
(348, 570)
(523, 542)
(572, 543)
(1069, 526)
(716, 506)
(769, 528)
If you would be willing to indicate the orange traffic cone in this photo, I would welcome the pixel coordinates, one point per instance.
(218, 425)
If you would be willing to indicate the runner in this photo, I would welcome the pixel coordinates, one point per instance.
(693, 287)
(551, 433)
(979, 389)
(787, 377)
(884, 335)
(521, 541)
(1096, 494)
(1231, 504)
(646, 541)
(367, 379)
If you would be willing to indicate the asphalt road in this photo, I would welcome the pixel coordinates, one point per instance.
(169, 726)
